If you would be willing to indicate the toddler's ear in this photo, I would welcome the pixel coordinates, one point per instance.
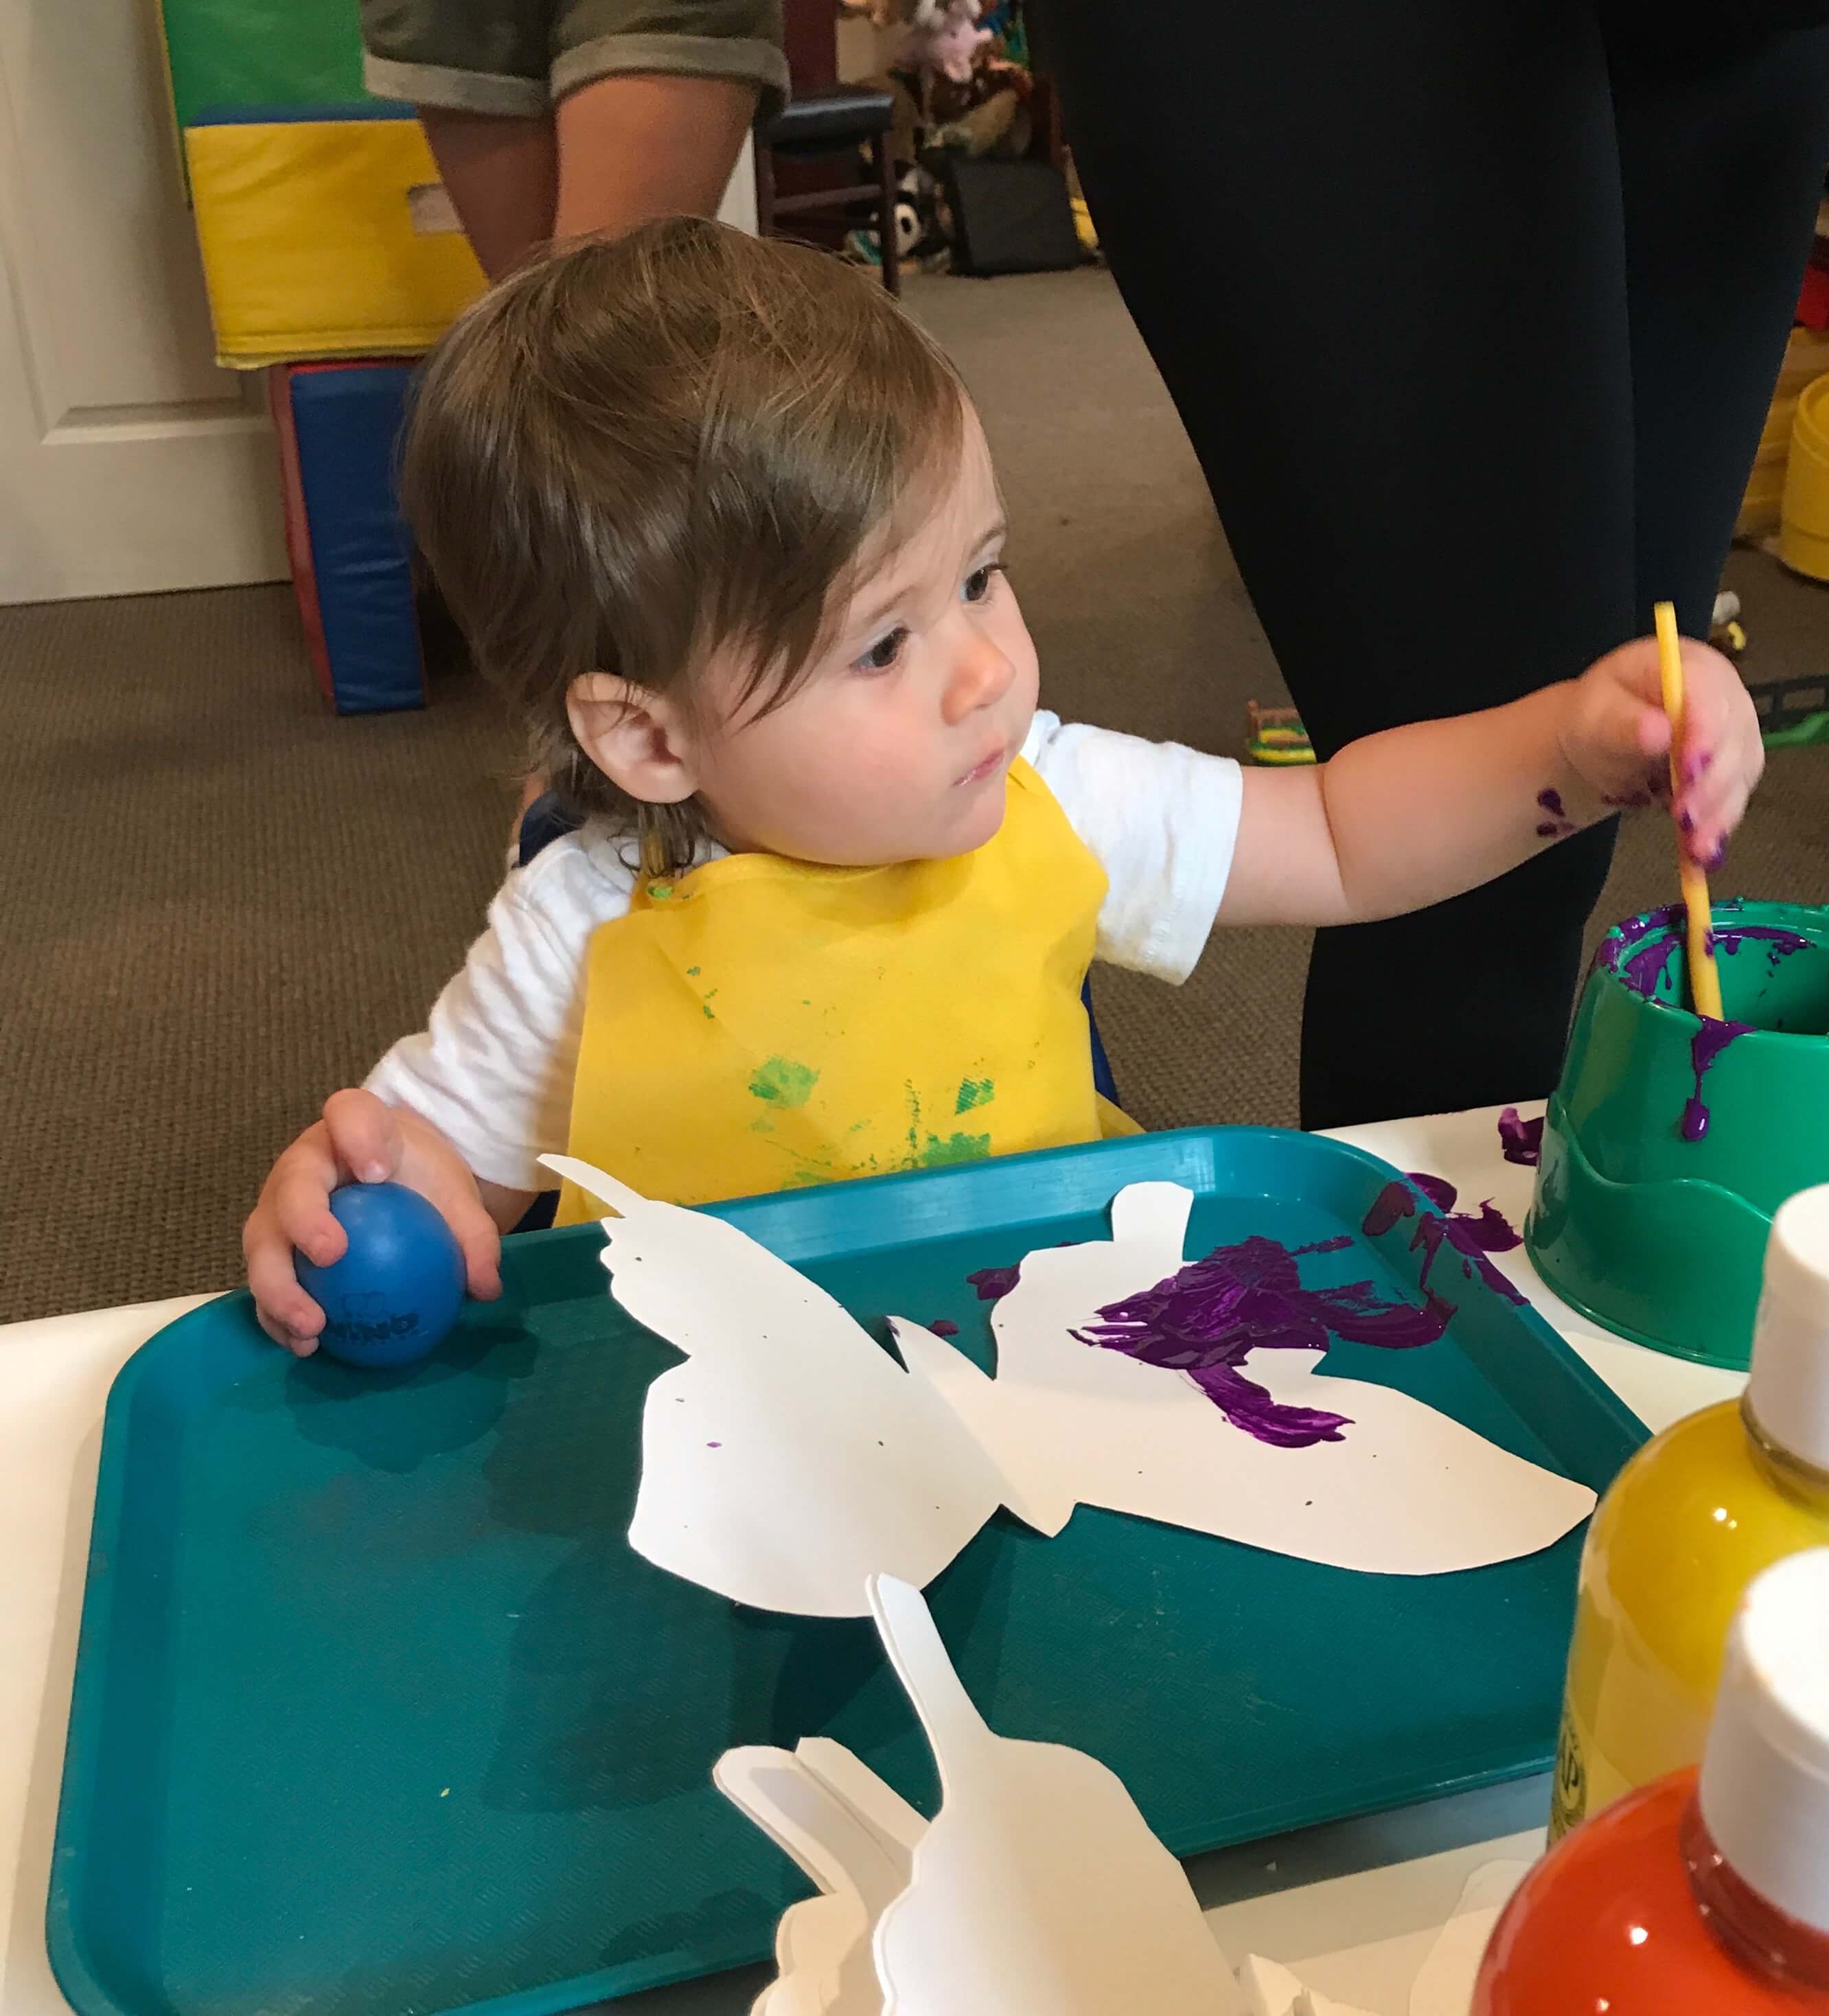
(635, 738)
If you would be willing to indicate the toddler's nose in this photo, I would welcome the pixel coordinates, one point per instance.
(980, 677)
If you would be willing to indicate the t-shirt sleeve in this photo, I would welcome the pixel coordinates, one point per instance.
(1163, 820)
(493, 1067)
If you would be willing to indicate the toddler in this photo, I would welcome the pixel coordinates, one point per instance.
(720, 521)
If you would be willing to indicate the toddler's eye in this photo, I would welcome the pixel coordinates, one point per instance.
(882, 654)
(977, 585)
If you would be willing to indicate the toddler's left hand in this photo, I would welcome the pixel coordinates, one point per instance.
(1617, 740)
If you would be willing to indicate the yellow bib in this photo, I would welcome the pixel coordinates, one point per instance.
(762, 1023)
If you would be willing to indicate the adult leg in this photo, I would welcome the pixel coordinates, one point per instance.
(1723, 147)
(1398, 340)
(501, 175)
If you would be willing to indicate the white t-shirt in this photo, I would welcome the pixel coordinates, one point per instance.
(493, 1069)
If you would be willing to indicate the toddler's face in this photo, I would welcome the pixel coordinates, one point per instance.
(895, 745)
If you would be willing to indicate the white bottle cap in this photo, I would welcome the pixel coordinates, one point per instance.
(1788, 1392)
(1764, 1779)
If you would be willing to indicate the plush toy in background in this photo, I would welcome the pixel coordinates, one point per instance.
(921, 236)
(944, 40)
(952, 87)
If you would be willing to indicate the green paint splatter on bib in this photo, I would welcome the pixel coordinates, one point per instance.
(782, 1082)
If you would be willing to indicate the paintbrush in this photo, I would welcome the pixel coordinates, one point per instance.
(1704, 982)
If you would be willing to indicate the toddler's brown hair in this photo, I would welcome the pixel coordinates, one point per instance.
(639, 452)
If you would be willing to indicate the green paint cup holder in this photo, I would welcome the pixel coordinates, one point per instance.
(1656, 1230)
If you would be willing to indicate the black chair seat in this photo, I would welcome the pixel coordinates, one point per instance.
(830, 117)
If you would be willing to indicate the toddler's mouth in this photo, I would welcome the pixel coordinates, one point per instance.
(989, 768)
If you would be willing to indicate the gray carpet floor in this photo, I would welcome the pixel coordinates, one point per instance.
(219, 902)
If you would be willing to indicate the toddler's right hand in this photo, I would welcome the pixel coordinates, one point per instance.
(359, 1140)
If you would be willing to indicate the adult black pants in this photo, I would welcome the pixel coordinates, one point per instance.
(1472, 310)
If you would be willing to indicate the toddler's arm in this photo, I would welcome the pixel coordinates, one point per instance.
(461, 1111)
(1414, 815)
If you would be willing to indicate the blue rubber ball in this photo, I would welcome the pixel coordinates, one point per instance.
(397, 1291)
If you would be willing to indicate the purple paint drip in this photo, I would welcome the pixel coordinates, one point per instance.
(1630, 951)
(1707, 1044)
(944, 1326)
(1521, 1141)
(994, 1283)
(1551, 802)
(1207, 1319)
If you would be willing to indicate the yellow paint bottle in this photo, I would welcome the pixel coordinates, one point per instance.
(1690, 1522)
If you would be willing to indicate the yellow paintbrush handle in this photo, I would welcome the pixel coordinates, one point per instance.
(1704, 982)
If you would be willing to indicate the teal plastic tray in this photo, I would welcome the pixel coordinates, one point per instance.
(376, 1711)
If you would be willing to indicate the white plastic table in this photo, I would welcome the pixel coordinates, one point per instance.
(1353, 1908)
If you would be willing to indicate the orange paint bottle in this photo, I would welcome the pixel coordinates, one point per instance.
(1702, 1894)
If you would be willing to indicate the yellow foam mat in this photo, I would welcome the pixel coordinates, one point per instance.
(315, 244)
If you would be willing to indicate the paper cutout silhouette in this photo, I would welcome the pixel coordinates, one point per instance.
(789, 1457)
(855, 1839)
(1444, 1985)
(1271, 1990)
(1037, 1890)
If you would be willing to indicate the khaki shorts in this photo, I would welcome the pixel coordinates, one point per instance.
(517, 58)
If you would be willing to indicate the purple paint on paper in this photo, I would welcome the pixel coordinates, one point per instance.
(1470, 1235)
(1707, 1044)
(1521, 1141)
(994, 1283)
(1337, 1244)
(943, 1327)
(1207, 1318)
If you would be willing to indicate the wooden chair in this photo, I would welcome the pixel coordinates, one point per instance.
(825, 122)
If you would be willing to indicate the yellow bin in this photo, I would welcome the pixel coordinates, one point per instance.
(1803, 531)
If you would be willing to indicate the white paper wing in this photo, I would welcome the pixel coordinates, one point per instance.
(790, 1456)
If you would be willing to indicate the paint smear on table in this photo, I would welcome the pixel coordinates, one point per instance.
(1521, 1141)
